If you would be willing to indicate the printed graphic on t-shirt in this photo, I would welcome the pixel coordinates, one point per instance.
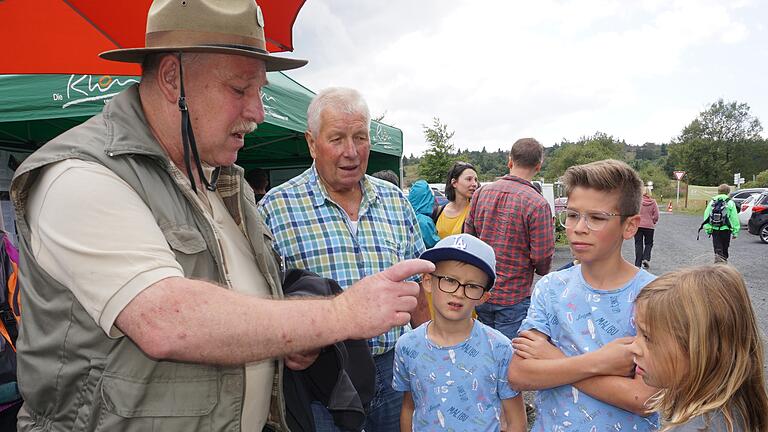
(580, 319)
(456, 388)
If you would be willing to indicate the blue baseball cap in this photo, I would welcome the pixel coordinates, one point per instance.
(465, 248)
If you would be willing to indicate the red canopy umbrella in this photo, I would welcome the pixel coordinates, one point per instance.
(66, 36)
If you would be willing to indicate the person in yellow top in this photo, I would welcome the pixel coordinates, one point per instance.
(459, 187)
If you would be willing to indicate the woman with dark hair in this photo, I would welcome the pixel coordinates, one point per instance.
(459, 187)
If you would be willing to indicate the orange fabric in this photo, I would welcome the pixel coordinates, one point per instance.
(13, 301)
(56, 36)
(13, 293)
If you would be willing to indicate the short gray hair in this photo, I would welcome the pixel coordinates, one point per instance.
(343, 99)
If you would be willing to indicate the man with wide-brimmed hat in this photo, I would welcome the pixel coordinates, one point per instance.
(149, 283)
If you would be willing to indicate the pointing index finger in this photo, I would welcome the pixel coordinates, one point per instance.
(405, 269)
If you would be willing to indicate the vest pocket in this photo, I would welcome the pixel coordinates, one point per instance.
(191, 251)
(184, 238)
(84, 408)
(158, 405)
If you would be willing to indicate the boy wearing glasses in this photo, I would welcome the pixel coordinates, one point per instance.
(574, 345)
(453, 369)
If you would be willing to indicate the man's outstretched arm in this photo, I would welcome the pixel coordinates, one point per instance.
(195, 321)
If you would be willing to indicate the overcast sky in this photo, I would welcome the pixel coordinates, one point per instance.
(495, 71)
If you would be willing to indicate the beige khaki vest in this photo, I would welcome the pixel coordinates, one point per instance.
(71, 375)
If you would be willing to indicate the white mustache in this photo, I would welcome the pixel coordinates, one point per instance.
(245, 128)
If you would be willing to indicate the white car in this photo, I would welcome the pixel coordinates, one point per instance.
(745, 212)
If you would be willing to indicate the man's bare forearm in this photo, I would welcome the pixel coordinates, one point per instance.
(195, 321)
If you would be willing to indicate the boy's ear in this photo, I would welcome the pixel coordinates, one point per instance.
(631, 224)
(426, 282)
(484, 298)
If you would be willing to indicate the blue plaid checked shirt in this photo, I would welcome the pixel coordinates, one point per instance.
(314, 233)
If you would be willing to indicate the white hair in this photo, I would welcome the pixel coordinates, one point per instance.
(343, 99)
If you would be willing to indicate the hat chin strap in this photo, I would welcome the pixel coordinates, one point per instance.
(188, 140)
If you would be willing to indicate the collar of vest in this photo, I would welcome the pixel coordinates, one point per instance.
(129, 133)
(127, 127)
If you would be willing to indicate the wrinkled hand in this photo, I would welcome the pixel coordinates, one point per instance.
(534, 345)
(302, 360)
(379, 302)
(615, 357)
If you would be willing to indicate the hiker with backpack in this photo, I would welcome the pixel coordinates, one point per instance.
(459, 187)
(721, 222)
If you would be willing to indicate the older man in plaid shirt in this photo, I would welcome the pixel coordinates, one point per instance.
(342, 224)
(513, 217)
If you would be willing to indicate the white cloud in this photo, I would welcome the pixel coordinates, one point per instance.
(497, 70)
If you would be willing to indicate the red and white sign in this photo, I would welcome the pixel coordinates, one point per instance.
(678, 175)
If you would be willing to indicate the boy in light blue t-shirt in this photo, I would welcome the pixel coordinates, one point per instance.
(453, 369)
(574, 345)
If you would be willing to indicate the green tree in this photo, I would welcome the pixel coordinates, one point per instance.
(722, 140)
(662, 185)
(761, 180)
(438, 158)
(701, 159)
(724, 122)
(648, 151)
(588, 149)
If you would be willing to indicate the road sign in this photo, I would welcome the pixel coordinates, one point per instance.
(678, 175)
(738, 180)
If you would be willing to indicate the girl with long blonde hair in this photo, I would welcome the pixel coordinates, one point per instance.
(698, 342)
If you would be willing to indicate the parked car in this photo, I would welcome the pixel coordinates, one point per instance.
(740, 195)
(758, 222)
(437, 186)
(745, 212)
(440, 198)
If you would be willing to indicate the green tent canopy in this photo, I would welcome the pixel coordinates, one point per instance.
(37, 108)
